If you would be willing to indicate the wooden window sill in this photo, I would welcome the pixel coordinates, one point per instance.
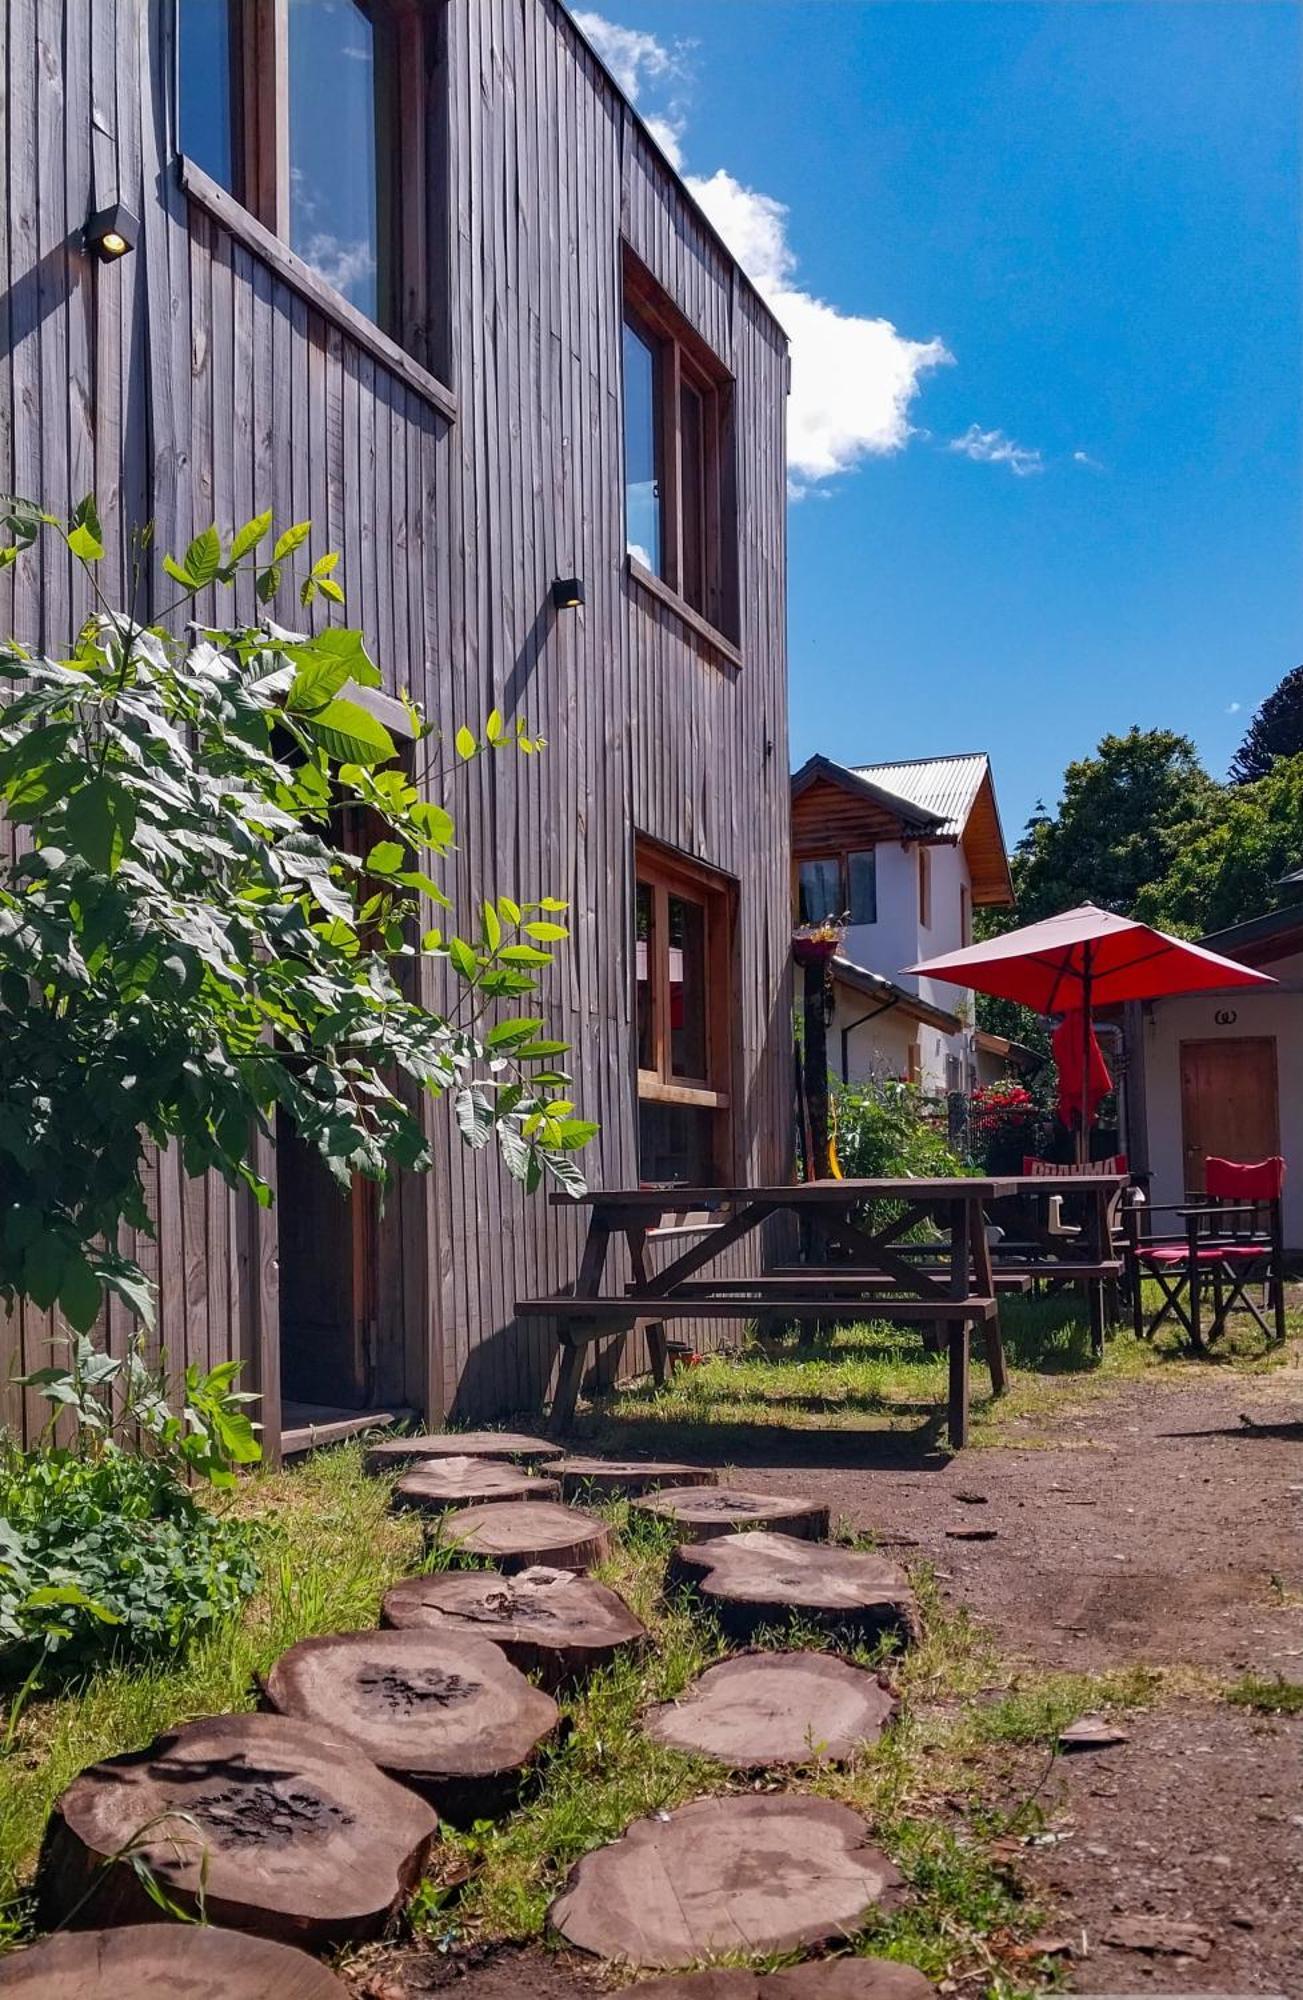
(702, 627)
(656, 1091)
(208, 194)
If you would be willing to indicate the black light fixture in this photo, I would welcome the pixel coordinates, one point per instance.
(111, 232)
(567, 592)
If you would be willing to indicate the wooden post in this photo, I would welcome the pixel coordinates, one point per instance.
(816, 1067)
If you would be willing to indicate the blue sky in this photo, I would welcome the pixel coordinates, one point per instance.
(1093, 209)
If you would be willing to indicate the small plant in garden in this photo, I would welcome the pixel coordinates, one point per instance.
(190, 943)
(105, 1550)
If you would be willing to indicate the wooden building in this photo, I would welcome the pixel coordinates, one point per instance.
(416, 270)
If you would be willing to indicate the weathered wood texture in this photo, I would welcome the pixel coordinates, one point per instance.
(190, 381)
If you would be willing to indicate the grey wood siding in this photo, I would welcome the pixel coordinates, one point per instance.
(191, 382)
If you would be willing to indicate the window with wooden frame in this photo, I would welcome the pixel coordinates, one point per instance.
(314, 117)
(838, 885)
(679, 457)
(683, 933)
(925, 887)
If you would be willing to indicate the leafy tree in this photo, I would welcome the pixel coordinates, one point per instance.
(1275, 731)
(1124, 816)
(1230, 867)
(187, 945)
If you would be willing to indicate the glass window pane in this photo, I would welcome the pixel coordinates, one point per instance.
(208, 105)
(687, 939)
(692, 472)
(862, 869)
(820, 890)
(642, 497)
(334, 220)
(676, 1144)
(645, 947)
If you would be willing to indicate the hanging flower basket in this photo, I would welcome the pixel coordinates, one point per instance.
(815, 944)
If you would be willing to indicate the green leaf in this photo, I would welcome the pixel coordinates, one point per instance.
(292, 539)
(494, 728)
(433, 823)
(505, 1034)
(43, 1268)
(250, 535)
(552, 903)
(509, 909)
(86, 536)
(385, 858)
(537, 1051)
(325, 663)
(268, 583)
(179, 575)
(547, 932)
(463, 958)
(203, 557)
(99, 821)
(350, 735)
(492, 927)
(524, 954)
(465, 743)
(329, 588)
(80, 1296)
(325, 564)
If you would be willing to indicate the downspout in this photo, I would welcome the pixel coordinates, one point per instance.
(851, 1026)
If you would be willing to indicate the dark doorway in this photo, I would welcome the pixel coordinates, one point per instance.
(327, 1279)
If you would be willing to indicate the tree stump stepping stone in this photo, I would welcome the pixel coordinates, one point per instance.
(755, 1579)
(517, 1534)
(444, 1711)
(392, 1453)
(822, 1979)
(701, 1515)
(289, 1829)
(762, 1709)
(756, 1873)
(468, 1482)
(627, 1478)
(163, 1961)
(549, 1622)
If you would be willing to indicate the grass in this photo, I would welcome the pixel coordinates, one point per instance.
(1276, 1696)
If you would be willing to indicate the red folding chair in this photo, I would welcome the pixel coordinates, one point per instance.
(1234, 1238)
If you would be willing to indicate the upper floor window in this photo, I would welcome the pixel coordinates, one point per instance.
(311, 113)
(925, 887)
(839, 885)
(679, 481)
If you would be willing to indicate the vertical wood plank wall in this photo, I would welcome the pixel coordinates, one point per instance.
(189, 382)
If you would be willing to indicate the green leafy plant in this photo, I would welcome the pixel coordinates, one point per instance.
(221, 909)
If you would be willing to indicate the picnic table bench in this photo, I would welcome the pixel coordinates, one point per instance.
(948, 1292)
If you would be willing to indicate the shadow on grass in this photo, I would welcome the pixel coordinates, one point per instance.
(709, 1442)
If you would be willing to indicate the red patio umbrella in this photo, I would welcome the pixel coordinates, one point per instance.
(1087, 958)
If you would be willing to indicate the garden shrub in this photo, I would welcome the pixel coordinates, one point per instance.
(887, 1128)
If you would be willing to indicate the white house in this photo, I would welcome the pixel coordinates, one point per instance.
(904, 853)
(1222, 1073)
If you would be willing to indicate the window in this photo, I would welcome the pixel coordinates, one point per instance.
(925, 887)
(312, 113)
(844, 885)
(965, 916)
(683, 927)
(819, 890)
(679, 504)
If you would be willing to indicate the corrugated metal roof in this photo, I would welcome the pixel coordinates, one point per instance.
(944, 785)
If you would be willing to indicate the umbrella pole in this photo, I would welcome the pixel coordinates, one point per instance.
(1083, 1130)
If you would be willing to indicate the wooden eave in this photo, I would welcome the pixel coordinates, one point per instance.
(834, 811)
(985, 851)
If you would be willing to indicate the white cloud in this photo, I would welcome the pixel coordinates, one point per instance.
(1084, 458)
(994, 448)
(854, 379)
(342, 265)
(1234, 707)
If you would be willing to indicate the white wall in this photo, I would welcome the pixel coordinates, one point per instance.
(877, 1050)
(1277, 1012)
(898, 939)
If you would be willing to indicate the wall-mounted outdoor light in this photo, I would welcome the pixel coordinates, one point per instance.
(567, 592)
(111, 233)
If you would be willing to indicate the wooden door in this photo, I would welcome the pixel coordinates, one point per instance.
(1229, 1103)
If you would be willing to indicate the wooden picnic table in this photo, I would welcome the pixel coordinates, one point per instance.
(869, 1265)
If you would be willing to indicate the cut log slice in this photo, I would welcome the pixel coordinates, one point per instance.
(166, 1962)
(391, 1454)
(756, 1579)
(443, 1710)
(468, 1482)
(700, 1516)
(288, 1829)
(750, 1874)
(762, 1709)
(548, 1622)
(822, 1979)
(517, 1534)
(626, 1478)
